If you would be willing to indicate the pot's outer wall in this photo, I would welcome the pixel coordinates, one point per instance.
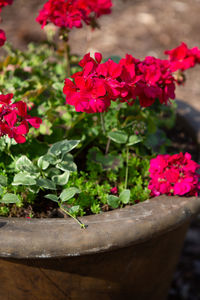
(133, 253)
(139, 272)
(44, 238)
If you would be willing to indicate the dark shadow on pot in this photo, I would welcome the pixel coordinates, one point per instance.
(190, 119)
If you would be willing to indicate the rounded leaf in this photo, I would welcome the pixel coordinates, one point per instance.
(42, 163)
(3, 180)
(134, 139)
(119, 136)
(61, 179)
(68, 193)
(46, 184)
(113, 201)
(63, 146)
(52, 197)
(24, 164)
(67, 166)
(51, 159)
(23, 179)
(9, 198)
(124, 196)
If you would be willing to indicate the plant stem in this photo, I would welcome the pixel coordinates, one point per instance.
(103, 123)
(8, 150)
(68, 213)
(67, 58)
(64, 37)
(2, 77)
(126, 174)
(107, 146)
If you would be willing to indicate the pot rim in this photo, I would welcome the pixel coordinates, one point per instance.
(46, 238)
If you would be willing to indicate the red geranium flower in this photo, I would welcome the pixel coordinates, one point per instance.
(5, 3)
(14, 119)
(99, 83)
(72, 13)
(183, 58)
(2, 37)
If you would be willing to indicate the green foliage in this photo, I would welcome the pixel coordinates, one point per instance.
(41, 175)
(49, 164)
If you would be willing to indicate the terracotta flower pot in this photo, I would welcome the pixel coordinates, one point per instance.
(127, 253)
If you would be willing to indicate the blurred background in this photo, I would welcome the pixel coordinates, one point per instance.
(140, 28)
(137, 27)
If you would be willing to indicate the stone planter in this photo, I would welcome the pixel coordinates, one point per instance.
(127, 253)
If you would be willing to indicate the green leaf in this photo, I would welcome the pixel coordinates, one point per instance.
(115, 58)
(23, 179)
(53, 171)
(46, 184)
(1, 190)
(113, 201)
(58, 86)
(42, 164)
(74, 209)
(69, 193)
(51, 159)
(124, 196)
(119, 136)
(67, 166)
(46, 127)
(24, 164)
(61, 179)
(134, 139)
(67, 157)
(52, 197)
(63, 146)
(10, 198)
(3, 180)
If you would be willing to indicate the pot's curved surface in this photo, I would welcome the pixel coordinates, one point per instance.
(44, 238)
(133, 253)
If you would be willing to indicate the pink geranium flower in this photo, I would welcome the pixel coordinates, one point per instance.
(174, 175)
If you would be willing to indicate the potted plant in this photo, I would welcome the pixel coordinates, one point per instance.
(86, 138)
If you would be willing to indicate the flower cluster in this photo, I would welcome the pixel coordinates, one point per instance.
(14, 119)
(5, 3)
(174, 175)
(71, 13)
(183, 58)
(99, 83)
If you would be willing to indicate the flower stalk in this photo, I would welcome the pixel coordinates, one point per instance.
(82, 225)
(126, 171)
(103, 123)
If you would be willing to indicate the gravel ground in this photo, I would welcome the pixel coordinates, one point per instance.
(141, 28)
